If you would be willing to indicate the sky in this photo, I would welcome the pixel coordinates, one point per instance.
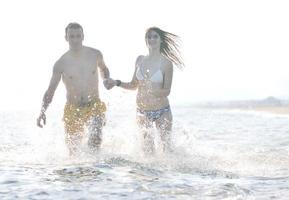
(233, 50)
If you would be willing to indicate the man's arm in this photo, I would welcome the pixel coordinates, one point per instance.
(48, 96)
(104, 72)
(102, 67)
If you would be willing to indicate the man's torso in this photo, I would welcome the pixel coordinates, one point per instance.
(80, 76)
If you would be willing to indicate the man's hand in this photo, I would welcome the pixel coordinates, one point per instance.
(109, 83)
(42, 117)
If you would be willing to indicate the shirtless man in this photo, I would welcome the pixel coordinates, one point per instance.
(78, 70)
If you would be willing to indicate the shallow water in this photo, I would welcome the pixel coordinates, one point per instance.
(219, 154)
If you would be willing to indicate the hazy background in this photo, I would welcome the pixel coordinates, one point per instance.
(232, 49)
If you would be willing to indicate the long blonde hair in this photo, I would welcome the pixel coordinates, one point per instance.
(170, 44)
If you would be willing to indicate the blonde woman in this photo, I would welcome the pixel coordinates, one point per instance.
(153, 79)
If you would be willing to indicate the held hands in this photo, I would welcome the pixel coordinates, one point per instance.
(42, 117)
(109, 83)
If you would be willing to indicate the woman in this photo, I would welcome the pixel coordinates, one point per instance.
(153, 79)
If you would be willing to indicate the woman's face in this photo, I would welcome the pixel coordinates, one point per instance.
(153, 39)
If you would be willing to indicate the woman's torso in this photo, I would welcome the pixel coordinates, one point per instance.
(150, 75)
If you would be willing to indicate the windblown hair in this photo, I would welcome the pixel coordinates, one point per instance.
(73, 25)
(170, 44)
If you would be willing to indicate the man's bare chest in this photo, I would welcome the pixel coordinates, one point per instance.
(81, 68)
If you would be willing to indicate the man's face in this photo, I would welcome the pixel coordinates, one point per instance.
(74, 37)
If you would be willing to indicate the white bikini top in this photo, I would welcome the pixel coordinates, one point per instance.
(157, 77)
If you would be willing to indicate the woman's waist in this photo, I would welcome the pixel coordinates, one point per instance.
(151, 104)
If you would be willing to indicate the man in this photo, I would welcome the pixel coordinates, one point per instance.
(78, 70)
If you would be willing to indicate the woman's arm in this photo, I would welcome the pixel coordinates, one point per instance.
(133, 84)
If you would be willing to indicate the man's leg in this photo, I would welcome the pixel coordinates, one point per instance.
(95, 126)
(74, 129)
(73, 142)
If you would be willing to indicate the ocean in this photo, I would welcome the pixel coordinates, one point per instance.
(218, 154)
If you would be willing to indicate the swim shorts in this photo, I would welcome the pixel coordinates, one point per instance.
(76, 117)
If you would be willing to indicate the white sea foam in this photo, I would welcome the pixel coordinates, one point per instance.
(218, 154)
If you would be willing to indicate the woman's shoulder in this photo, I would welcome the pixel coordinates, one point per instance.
(139, 60)
(166, 63)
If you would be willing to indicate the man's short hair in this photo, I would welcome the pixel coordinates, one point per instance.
(73, 25)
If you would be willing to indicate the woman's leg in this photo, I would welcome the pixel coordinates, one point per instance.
(145, 127)
(164, 126)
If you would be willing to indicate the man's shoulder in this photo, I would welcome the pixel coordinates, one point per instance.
(61, 62)
(93, 51)
(62, 59)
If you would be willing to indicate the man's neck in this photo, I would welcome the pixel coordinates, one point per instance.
(75, 50)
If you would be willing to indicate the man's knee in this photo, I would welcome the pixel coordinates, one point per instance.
(96, 123)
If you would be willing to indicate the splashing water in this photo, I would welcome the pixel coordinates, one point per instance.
(218, 154)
